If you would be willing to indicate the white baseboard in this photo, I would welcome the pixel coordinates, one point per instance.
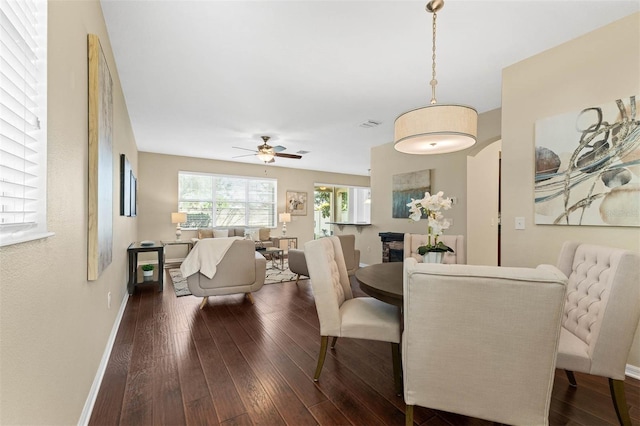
(632, 371)
(97, 381)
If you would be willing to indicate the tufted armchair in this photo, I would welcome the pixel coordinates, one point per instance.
(456, 242)
(601, 314)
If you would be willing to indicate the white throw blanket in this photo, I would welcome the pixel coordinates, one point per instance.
(206, 255)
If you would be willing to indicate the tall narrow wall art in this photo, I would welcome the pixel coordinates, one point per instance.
(588, 166)
(100, 223)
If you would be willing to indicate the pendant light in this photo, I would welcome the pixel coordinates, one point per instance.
(437, 128)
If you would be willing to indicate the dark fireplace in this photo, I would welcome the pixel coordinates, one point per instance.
(392, 246)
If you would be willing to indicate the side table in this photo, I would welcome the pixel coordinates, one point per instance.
(166, 243)
(275, 254)
(132, 251)
(292, 242)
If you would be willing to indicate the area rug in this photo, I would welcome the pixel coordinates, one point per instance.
(274, 275)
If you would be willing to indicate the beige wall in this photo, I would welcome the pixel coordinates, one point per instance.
(54, 324)
(158, 191)
(449, 174)
(596, 68)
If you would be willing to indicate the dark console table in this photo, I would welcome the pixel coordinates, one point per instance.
(158, 274)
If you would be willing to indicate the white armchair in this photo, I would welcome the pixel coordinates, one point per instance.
(241, 270)
(481, 340)
(601, 315)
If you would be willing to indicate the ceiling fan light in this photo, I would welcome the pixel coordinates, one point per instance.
(265, 156)
(436, 129)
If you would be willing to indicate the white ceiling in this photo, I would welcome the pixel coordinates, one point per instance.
(200, 77)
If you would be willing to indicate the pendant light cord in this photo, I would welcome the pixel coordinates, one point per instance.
(434, 82)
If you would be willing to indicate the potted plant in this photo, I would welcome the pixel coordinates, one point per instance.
(147, 272)
(431, 206)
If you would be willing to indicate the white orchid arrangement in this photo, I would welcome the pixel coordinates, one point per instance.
(432, 206)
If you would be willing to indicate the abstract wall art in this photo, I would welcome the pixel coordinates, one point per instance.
(100, 223)
(587, 166)
(406, 186)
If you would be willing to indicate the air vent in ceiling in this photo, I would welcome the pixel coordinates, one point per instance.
(370, 123)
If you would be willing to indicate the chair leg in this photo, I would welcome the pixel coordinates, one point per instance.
(408, 415)
(204, 302)
(250, 298)
(324, 340)
(297, 278)
(572, 378)
(397, 368)
(619, 401)
(333, 342)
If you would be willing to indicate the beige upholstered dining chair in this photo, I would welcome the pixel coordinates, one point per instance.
(298, 262)
(481, 340)
(601, 315)
(456, 242)
(341, 314)
(350, 252)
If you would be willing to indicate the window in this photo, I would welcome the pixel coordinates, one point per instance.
(218, 200)
(23, 121)
(340, 204)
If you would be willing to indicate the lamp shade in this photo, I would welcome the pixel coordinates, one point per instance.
(178, 217)
(436, 129)
(285, 217)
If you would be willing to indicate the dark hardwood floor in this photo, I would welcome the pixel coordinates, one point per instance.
(234, 363)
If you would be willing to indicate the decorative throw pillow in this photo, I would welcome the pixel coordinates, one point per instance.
(220, 233)
(205, 233)
(265, 234)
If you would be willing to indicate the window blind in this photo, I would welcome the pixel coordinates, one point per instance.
(23, 90)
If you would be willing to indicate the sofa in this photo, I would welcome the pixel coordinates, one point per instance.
(298, 262)
(261, 237)
(241, 270)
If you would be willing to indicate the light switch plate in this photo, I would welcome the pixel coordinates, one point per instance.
(519, 222)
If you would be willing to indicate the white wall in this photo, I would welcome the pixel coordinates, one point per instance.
(596, 68)
(54, 324)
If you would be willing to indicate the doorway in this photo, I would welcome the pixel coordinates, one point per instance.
(483, 206)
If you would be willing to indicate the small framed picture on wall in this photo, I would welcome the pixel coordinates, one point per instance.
(296, 203)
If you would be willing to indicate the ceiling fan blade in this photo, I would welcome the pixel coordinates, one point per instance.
(295, 156)
(278, 148)
(245, 155)
(246, 149)
(273, 160)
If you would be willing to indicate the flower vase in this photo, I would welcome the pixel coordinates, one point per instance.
(433, 257)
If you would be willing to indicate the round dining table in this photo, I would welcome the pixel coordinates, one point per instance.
(382, 281)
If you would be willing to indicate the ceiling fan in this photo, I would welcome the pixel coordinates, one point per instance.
(267, 153)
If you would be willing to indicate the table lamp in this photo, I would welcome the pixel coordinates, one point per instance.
(284, 218)
(178, 218)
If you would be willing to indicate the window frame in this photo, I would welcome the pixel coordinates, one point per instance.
(248, 180)
(32, 17)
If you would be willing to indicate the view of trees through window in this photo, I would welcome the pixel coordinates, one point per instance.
(217, 200)
(341, 204)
